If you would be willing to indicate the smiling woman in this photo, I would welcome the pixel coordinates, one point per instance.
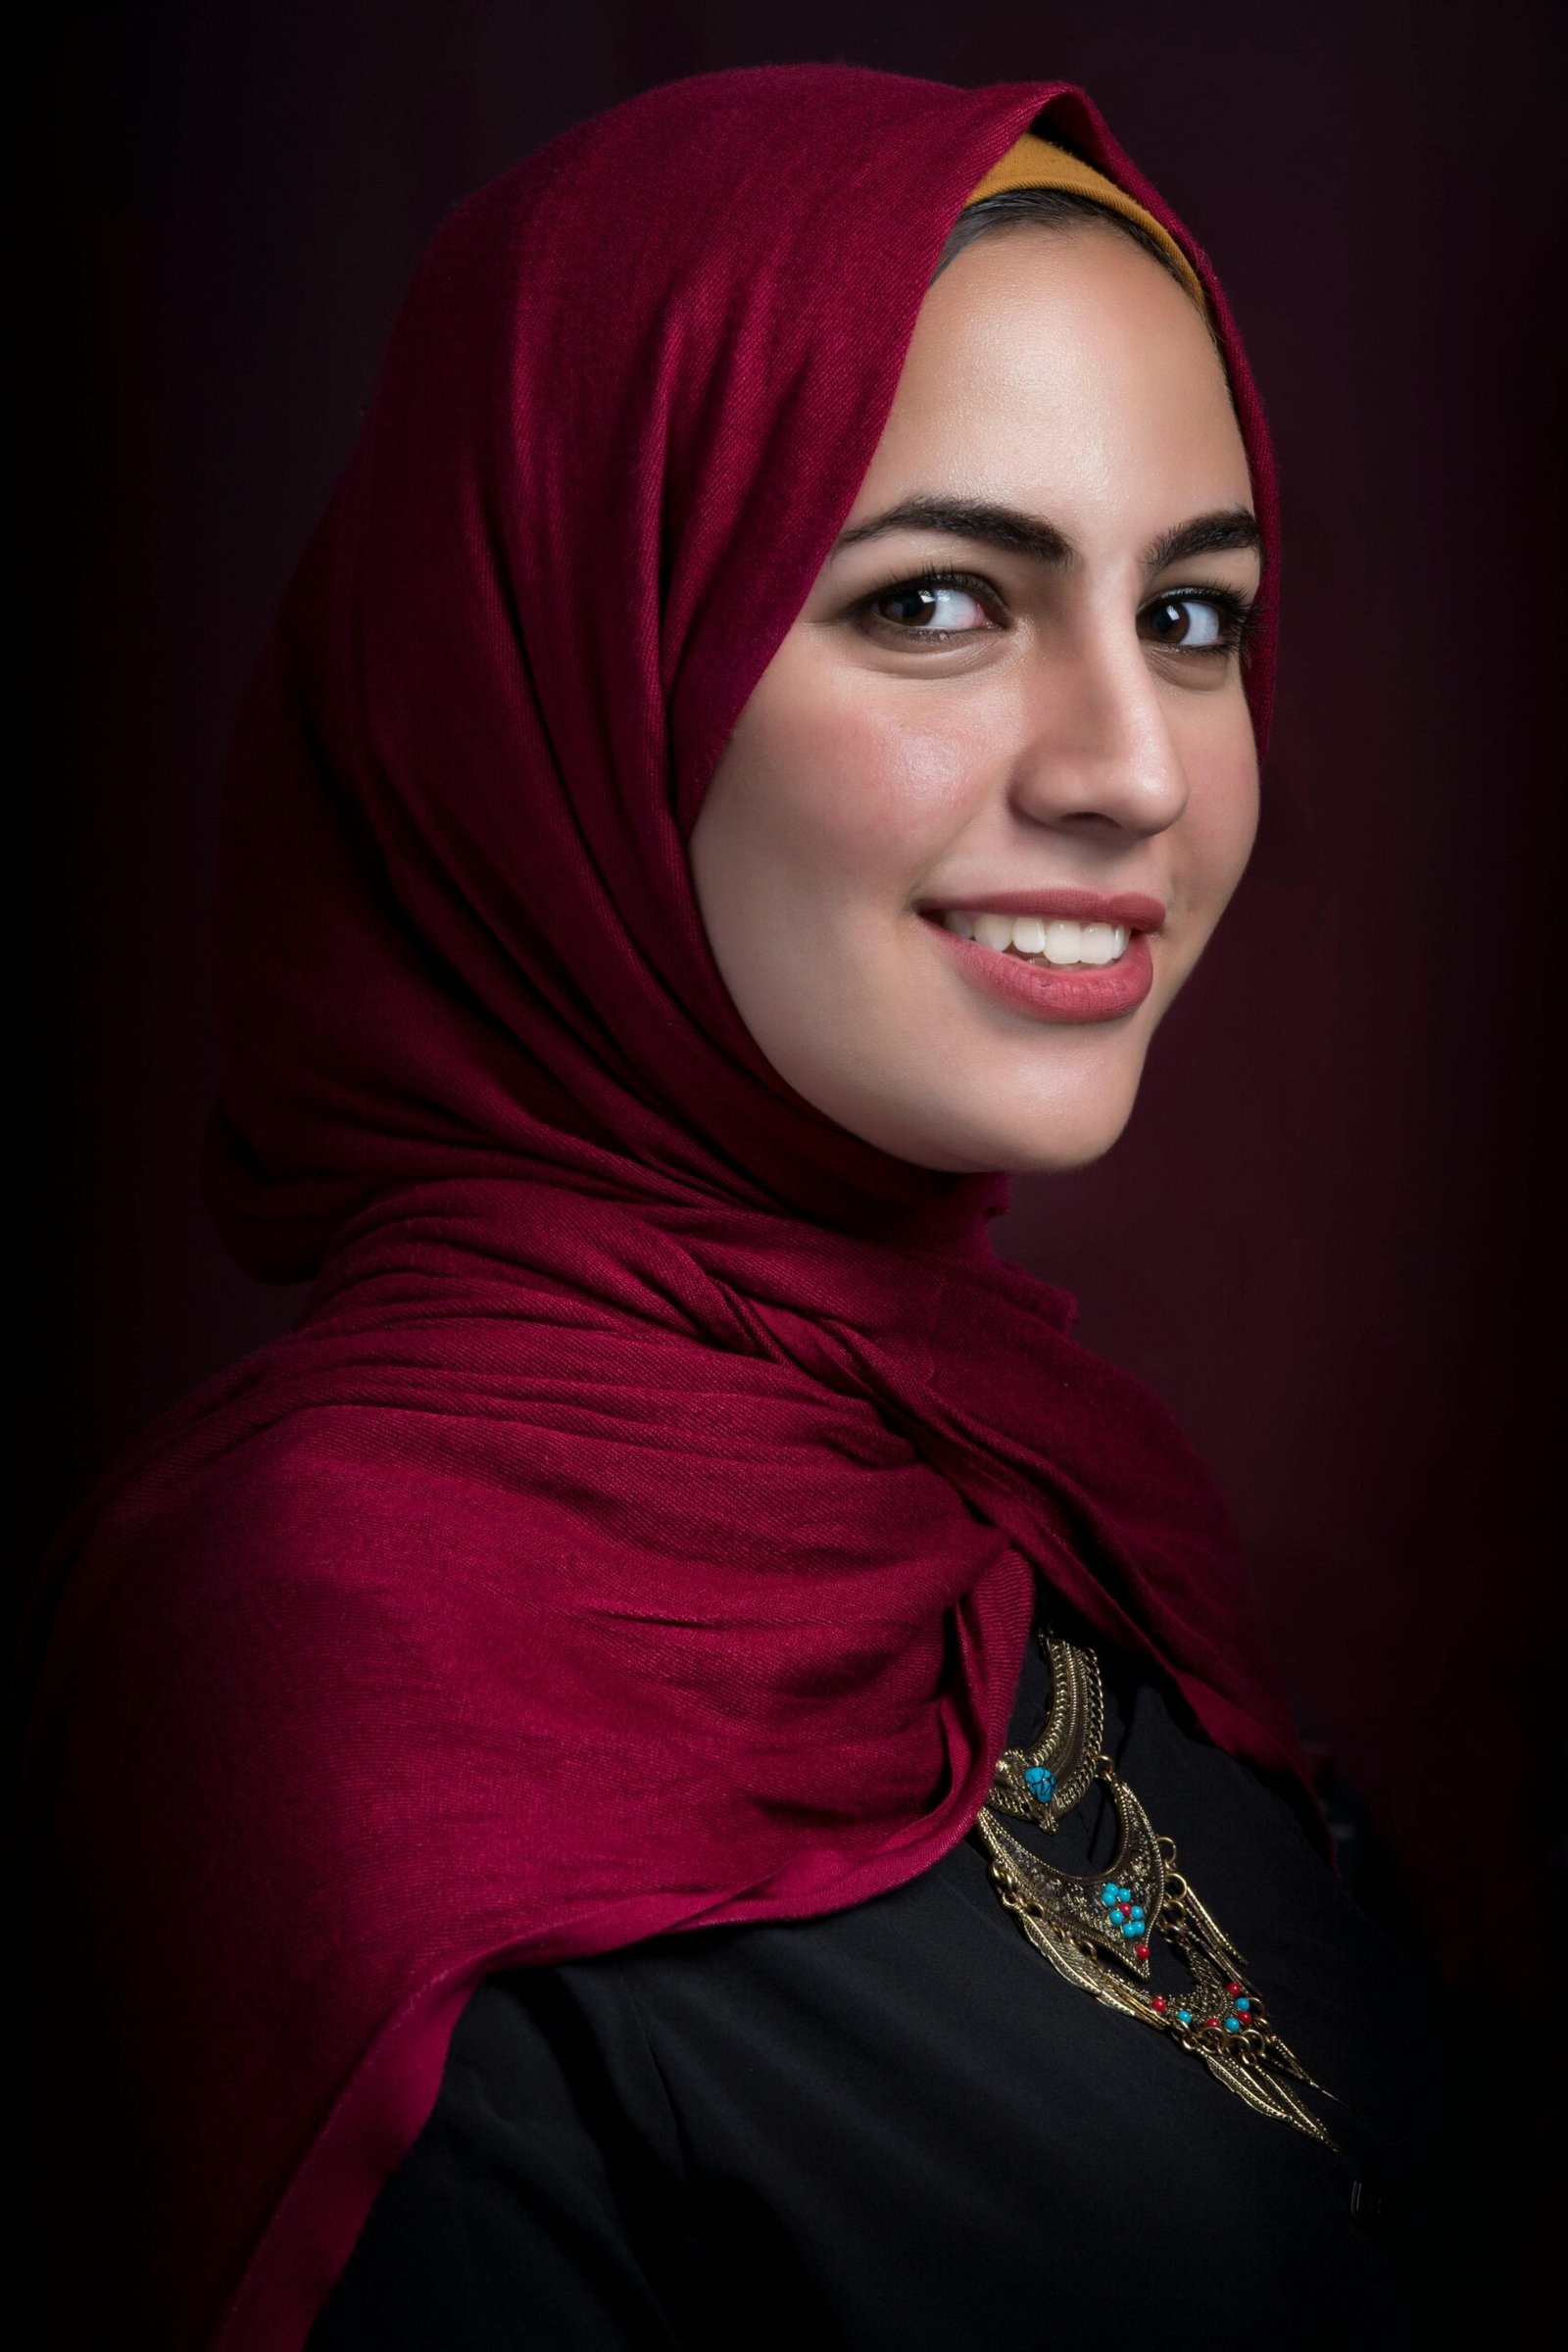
(678, 1749)
(1010, 701)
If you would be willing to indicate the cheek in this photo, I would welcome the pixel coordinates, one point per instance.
(1221, 820)
(845, 782)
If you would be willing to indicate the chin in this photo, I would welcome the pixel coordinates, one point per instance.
(1035, 1143)
(1057, 1153)
(1052, 1132)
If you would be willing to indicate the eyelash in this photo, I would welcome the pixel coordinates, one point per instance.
(1239, 614)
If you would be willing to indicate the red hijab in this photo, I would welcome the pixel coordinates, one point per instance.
(639, 1531)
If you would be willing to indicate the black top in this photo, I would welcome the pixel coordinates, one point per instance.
(897, 2127)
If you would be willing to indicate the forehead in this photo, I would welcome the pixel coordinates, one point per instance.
(1062, 370)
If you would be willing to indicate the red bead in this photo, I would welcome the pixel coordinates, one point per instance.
(1142, 1950)
(1124, 1910)
(1160, 2001)
(1233, 1988)
(1212, 2021)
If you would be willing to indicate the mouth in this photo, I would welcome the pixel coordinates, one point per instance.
(1068, 957)
(1061, 945)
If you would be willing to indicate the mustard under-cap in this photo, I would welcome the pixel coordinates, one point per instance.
(1035, 163)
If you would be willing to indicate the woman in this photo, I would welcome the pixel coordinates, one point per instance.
(558, 1828)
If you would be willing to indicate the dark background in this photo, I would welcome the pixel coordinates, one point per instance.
(1331, 1234)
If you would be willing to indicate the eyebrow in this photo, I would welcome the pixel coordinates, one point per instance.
(1228, 531)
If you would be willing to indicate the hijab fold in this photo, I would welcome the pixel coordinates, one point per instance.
(640, 1529)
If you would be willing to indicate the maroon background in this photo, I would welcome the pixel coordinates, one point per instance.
(1331, 1234)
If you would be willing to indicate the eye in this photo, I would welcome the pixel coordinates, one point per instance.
(937, 605)
(1192, 620)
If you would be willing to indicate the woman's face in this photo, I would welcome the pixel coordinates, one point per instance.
(978, 822)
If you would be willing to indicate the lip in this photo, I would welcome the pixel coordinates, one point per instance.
(1133, 907)
(1103, 991)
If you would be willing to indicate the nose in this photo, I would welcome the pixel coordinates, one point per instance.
(1095, 752)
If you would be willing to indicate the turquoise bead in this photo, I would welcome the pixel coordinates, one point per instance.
(1131, 1930)
(1233, 2025)
(1243, 2005)
(1184, 2017)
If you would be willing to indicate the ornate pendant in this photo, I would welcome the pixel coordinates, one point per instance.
(1095, 1926)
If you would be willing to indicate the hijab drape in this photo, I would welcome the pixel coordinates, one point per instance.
(639, 1531)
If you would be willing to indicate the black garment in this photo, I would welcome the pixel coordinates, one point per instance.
(897, 2127)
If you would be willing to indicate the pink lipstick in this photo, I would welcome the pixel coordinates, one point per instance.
(1105, 986)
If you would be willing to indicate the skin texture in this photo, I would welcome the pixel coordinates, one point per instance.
(1067, 726)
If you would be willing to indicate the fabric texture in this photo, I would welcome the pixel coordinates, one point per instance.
(638, 1530)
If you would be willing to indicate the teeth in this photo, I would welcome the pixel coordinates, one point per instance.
(1058, 944)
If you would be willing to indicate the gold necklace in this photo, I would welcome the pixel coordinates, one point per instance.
(1094, 1927)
